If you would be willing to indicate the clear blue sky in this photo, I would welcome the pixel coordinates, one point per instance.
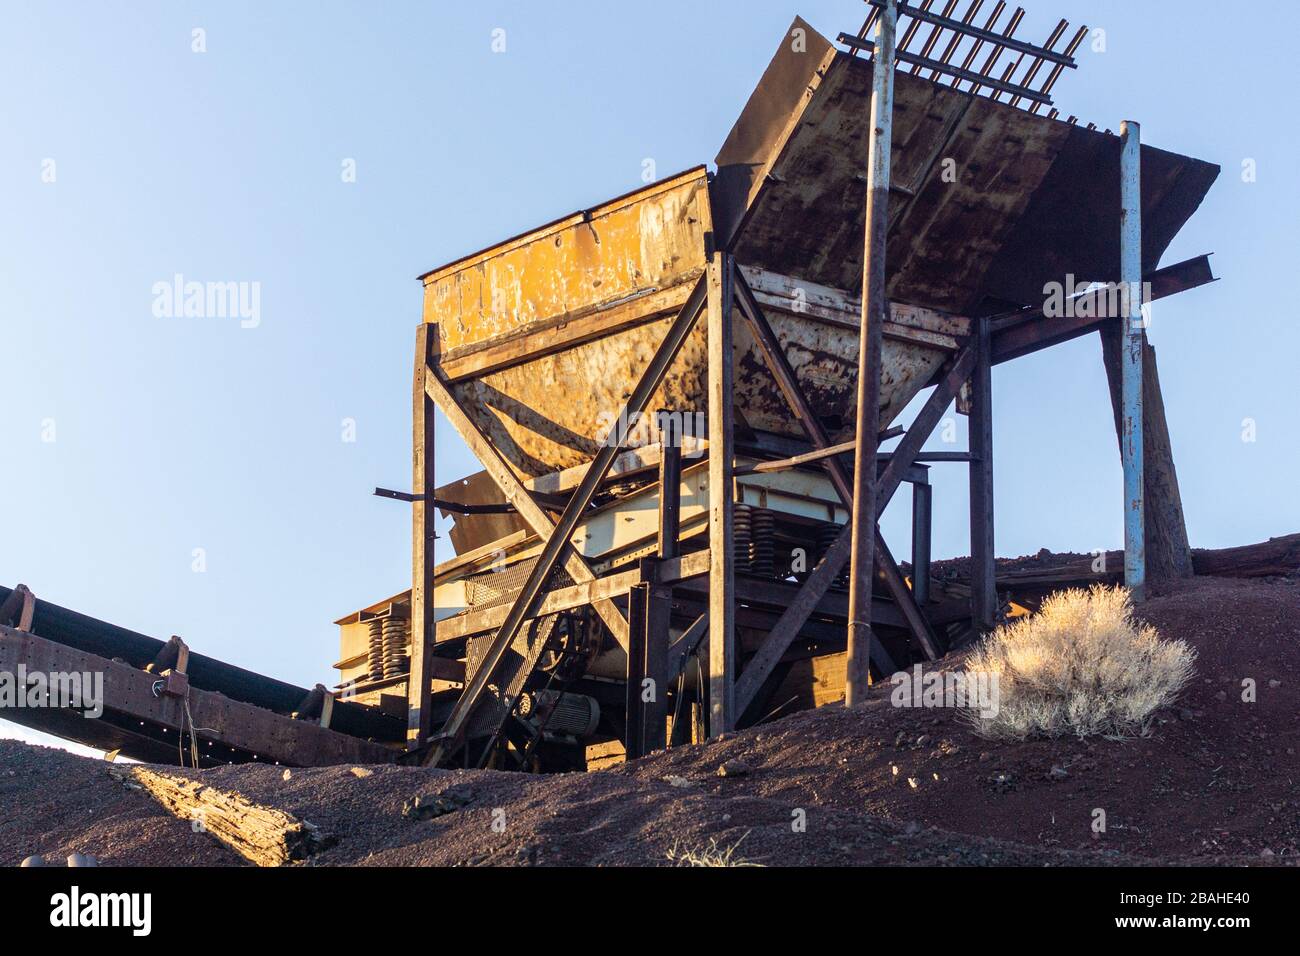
(172, 434)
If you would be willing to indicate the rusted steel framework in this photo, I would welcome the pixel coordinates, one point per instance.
(677, 429)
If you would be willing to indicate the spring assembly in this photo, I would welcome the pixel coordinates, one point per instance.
(762, 524)
(743, 537)
(826, 535)
(375, 654)
(396, 661)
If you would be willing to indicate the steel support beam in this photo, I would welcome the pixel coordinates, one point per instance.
(721, 413)
(875, 311)
(984, 598)
(1168, 553)
(419, 686)
(557, 543)
(922, 523)
(670, 485)
(1131, 365)
(819, 581)
(655, 668)
(634, 707)
(1019, 335)
(885, 565)
(518, 495)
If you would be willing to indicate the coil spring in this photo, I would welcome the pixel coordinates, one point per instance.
(375, 654)
(396, 661)
(743, 537)
(826, 535)
(763, 528)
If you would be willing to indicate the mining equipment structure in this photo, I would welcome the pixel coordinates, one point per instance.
(666, 394)
(662, 390)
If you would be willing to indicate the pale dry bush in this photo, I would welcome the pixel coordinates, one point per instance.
(1081, 665)
(710, 854)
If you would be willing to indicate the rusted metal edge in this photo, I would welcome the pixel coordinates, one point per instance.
(148, 724)
(582, 215)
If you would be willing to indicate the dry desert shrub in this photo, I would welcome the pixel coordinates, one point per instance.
(710, 854)
(1081, 665)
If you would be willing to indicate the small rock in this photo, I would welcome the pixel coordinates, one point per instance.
(1274, 683)
(1186, 714)
(912, 782)
(1266, 853)
(893, 770)
(427, 807)
(898, 741)
(1221, 695)
(362, 772)
(287, 775)
(82, 859)
(912, 828)
(922, 740)
(675, 781)
(1058, 773)
(36, 860)
(983, 757)
(733, 768)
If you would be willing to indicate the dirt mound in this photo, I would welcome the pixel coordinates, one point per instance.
(598, 819)
(1216, 779)
(1214, 783)
(53, 803)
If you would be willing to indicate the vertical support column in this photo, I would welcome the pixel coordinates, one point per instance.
(636, 649)
(658, 613)
(875, 305)
(670, 484)
(419, 686)
(983, 586)
(659, 600)
(722, 583)
(1130, 165)
(922, 522)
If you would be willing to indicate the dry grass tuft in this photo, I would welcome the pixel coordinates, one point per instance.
(710, 855)
(1082, 666)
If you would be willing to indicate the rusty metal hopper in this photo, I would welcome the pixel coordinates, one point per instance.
(543, 336)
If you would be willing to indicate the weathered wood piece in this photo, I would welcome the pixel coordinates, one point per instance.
(264, 836)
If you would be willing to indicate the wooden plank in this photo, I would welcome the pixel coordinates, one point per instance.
(420, 686)
(1168, 552)
(721, 415)
(264, 836)
(984, 598)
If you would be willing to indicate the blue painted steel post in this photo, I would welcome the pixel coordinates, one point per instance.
(1130, 165)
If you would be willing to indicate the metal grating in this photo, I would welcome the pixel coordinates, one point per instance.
(1021, 80)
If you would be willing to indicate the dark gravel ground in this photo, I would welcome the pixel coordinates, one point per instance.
(1215, 781)
(1213, 784)
(53, 803)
